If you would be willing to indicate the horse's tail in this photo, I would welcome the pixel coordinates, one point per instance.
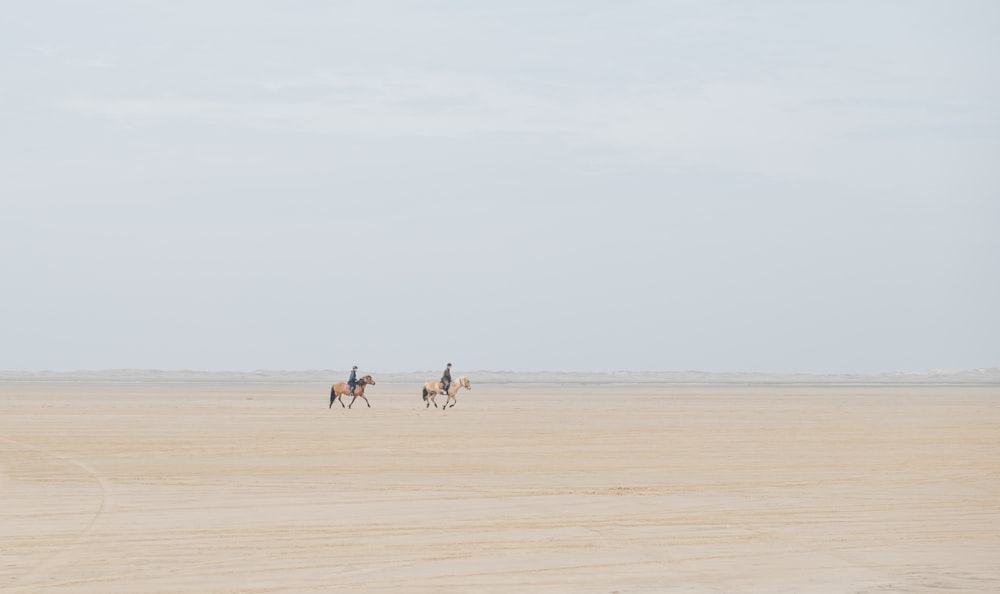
(425, 393)
(333, 393)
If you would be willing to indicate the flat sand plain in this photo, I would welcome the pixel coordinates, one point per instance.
(155, 488)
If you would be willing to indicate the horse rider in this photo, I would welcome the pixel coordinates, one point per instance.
(446, 378)
(352, 382)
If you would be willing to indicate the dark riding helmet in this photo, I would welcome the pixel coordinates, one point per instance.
(355, 367)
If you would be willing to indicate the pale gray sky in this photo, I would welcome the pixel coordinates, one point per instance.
(578, 185)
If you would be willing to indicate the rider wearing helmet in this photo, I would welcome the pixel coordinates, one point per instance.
(352, 382)
(446, 378)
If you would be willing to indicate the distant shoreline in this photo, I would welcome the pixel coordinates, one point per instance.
(974, 377)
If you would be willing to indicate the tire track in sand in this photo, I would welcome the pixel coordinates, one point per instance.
(28, 579)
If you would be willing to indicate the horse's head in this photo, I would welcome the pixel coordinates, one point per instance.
(464, 382)
(367, 380)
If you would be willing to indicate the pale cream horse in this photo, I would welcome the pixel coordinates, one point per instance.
(434, 387)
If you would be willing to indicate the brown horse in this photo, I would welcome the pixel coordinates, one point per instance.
(433, 388)
(340, 388)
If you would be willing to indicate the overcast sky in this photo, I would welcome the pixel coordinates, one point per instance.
(578, 185)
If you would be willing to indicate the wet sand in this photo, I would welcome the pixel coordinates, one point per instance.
(261, 488)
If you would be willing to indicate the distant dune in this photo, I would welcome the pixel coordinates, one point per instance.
(984, 376)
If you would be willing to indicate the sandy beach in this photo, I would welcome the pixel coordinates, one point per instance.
(156, 488)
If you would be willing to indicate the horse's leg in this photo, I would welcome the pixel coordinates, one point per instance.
(340, 397)
(352, 401)
(366, 401)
